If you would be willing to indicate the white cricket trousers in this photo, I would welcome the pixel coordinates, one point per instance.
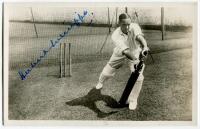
(115, 62)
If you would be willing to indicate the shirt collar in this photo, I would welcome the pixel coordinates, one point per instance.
(121, 33)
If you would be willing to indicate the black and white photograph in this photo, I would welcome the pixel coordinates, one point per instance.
(100, 62)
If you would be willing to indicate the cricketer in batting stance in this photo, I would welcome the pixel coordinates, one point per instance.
(129, 42)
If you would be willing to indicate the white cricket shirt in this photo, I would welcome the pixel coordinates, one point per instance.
(124, 41)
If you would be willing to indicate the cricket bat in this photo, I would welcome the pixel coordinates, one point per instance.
(133, 78)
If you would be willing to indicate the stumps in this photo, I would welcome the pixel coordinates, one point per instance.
(70, 61)
(63, 60)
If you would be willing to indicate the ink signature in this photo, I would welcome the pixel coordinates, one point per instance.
(76, 22)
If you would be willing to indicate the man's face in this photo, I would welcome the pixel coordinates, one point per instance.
(125, 27)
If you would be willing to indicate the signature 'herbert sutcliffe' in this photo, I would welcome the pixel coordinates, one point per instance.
(53, 43)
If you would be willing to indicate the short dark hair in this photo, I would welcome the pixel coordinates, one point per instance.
(123, 16)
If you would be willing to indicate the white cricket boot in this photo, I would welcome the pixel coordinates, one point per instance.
(99, 86)
(132, 105)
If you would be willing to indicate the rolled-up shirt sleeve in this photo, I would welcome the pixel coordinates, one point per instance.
(119, 42)
(136, 29)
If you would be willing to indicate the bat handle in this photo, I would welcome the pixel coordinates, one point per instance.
(139, 66)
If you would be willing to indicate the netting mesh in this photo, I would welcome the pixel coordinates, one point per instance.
(90, 42)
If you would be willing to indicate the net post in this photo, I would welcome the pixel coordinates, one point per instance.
(162, 23)
(34, 22)
(116, 16)
(126, 10)
(109, 20)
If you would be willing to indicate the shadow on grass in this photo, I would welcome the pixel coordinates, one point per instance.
(89, 100)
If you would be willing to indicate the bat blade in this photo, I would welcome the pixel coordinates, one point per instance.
(130, 84)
